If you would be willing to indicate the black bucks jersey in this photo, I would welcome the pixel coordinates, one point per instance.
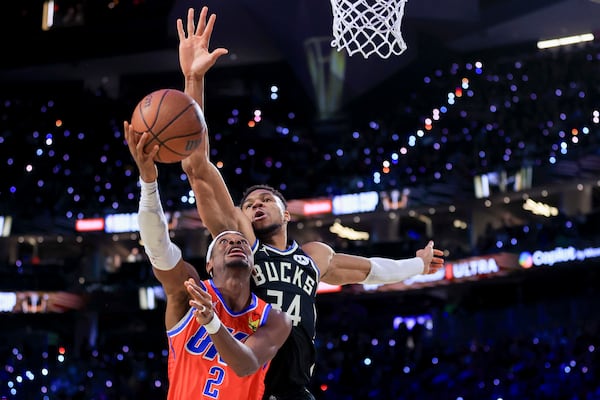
(288, 279)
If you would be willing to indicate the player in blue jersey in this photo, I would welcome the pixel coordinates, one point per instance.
(286, 274)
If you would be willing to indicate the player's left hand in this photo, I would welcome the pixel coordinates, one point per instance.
(201, 301)
(433, 259)
(194, 57)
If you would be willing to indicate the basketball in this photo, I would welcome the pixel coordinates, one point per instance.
(175, 122)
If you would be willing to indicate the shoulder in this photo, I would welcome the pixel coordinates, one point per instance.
(278, 319)
(316, 248)
(321, 254)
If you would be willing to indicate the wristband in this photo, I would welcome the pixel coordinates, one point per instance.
(149, 199)
(214, 325)
(385, 270)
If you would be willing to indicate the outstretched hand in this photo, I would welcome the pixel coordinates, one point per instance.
(194, 57)
(201, 301)
(143, 160)
(432, 258)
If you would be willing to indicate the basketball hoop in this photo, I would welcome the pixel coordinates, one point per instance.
(368, 27)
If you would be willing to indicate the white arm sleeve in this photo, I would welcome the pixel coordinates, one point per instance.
(386, 270)
(163, 253)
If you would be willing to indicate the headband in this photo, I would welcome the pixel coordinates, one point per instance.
(212, 244)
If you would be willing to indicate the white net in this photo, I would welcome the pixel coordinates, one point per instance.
(368, 27)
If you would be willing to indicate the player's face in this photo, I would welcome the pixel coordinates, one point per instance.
(265, 210)
(232, 250)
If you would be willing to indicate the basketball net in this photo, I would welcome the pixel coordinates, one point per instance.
(368, 27)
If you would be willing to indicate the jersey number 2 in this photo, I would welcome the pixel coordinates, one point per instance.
(211, 386)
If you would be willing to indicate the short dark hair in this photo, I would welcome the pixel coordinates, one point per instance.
(263, 187)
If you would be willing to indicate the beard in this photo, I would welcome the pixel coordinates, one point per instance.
(237, 263)
(267, 231)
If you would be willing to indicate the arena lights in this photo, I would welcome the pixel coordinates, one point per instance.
(501, 181)
(62, 13)
(5, 225)
(48, 15)
(565, 41)
(345, 232)
(350, 203)
(539, 208)
(8, 301)
(310, 206)
(89, 225)
(147, 299)
(119, 223)
(355, 203)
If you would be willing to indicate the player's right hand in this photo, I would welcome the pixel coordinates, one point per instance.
(143, 160)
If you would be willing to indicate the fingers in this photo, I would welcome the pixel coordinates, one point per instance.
(208, 28)
(201, 308)
(137, 145)
(200, 300)
(192, 29)
(196, 291)
(192, 288)
(180, 32)
(436, 263)
(190, 23)
(143, 139)
(437, 260)
(126, 130)
(217, 53)
(130, 137)
(200, 312)
(436, 252)
(435, 257)
(202, 21)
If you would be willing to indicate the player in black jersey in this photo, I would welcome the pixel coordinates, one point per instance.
(288, 279)
(285, 274)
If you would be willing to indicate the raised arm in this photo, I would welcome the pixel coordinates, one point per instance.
(213, 201)
(246, 357)
(167, 263)
(342, 269)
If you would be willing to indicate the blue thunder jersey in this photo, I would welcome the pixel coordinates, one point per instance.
(288, 279)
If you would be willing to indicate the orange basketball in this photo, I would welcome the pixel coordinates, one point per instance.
(175, 122)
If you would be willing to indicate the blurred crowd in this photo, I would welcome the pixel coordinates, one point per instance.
(503, 341)
(463, 119)
(63, 157)
(535, 337)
